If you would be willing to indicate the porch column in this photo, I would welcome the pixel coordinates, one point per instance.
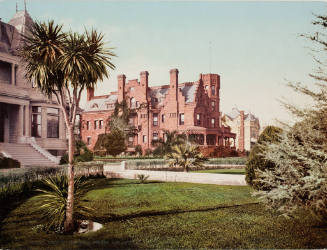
(205, 140)
(13, 74)
(27, 121)
(234, 142)
(62, 126)
(217, 140)
(20, 121)
(44, 122)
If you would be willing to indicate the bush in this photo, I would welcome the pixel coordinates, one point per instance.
(148, 152)
(52, 201)
(142, 178)
(256, 159)
(138, 150)
(82, 154)
(8, 162)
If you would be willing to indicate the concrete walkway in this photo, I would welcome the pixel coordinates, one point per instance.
(170, 176)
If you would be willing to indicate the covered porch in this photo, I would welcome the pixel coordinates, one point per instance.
(211, 137)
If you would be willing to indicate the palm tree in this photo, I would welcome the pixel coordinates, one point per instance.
(185, 155)
(64, 64)
(164, 146)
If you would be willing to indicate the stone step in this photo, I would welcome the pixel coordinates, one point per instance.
(25, 154)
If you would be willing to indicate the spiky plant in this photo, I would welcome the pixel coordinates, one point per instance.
(185, 155)
(52, 200)
(142, 178)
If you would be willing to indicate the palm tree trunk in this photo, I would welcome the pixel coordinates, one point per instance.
(69, 222)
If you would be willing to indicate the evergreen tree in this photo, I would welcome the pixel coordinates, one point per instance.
(256, 159)
(299, 178)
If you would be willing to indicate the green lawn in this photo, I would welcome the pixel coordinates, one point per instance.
(169, 215)
(222, 171)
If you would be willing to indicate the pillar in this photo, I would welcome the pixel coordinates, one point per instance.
(241, 134)
(20, 121)
(13, 74)
(62, 126)
(205, 140)
(44, 122)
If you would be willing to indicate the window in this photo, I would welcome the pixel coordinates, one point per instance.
(213, 105)
(110, 106)
(88, 140)
(181, 119)
(163, 118)
(36, 121)
(137, 104)
(213, 90)
(96, 124)
(213, 122)
(145, 139)
(198, 119)
(155, 136)
(88, 125)
(131, 121)
(101, 124)
(52, 123)
(206, 87)
(132, 102)
(130, 141)
(155, 119)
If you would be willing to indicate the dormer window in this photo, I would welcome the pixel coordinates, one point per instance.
(94, 106)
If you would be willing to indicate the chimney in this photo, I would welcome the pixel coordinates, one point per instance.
(90, 94)
(144, 75)
(174, 81)
(121, 87)
(241, 136)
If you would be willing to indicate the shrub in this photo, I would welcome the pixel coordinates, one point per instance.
(256, 160)
(52, 201)
(8, 162)
(82, 153)
(142, 178)
(148, 152)
(138, 150)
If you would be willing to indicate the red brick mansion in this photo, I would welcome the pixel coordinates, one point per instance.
(191, 108)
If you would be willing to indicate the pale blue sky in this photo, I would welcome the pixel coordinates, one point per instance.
(255, 46)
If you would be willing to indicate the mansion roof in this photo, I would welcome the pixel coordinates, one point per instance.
(157, 94)
(235, 113)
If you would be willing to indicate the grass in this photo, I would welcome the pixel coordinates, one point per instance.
(223, 171)
(168, 215)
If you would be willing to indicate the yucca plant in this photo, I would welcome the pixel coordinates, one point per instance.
(142, 178)
(185, 155)
(52, 200)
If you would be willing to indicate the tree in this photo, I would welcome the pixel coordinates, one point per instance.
(64, 64)
(164, 146)
(113, 143)
(256, 159)
(300, 157)
(185, 155)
